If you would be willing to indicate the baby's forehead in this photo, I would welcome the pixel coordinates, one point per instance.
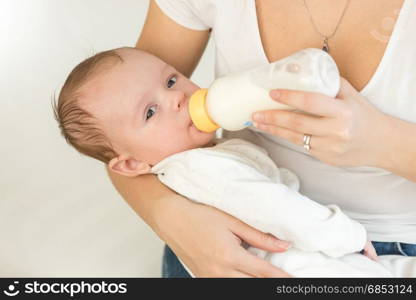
(137, 70)
(130, 55)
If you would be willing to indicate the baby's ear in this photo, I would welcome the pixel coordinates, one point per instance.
(128, 166)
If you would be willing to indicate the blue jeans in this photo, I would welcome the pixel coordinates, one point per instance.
(395, 248)
(172, 268)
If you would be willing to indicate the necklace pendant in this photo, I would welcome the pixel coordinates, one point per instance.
(326, 46)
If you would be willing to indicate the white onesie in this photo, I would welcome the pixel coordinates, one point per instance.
(239, 178)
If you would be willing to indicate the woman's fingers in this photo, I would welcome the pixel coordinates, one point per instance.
(258, 267)
(250, 264)
(219, 252)
(320, 147)
(259, 239)
(290, 135)
(342, 129)
(297, 122)
(316, 142)
(310, 102)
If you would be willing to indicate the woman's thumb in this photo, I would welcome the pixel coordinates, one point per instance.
(261, 240)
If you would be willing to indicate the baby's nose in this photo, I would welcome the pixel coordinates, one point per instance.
(179, 100)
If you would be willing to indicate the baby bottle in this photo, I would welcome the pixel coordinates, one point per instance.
(231, 100)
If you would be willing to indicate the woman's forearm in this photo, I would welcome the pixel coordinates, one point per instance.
(146, 195)
(399, 148)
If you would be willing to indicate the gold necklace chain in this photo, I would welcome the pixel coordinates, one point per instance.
(326, 37)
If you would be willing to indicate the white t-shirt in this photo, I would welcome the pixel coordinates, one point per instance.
(383, 202)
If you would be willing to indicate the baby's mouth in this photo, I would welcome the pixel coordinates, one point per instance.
(192, 125)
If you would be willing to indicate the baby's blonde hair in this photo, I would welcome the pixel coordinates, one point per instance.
(79, 127)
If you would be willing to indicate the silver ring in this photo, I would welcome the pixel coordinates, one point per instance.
(307, 142)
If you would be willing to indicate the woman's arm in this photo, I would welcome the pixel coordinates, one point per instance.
(175, 219)
(178, 46)
(207, 240)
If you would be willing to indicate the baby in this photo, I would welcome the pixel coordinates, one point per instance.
(128, 109)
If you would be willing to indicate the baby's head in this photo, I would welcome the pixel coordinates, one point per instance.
(128, 109)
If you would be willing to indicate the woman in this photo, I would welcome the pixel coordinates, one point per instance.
(358, 153)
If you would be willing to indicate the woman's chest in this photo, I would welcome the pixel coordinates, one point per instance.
(359, 39)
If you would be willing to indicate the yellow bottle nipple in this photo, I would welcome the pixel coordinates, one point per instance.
(198, 112)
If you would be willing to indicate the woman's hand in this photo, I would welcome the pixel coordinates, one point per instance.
(345, 131)
(209, 242)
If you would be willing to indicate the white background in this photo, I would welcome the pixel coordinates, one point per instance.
(59, 213)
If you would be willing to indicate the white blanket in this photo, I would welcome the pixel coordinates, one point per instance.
(239, 178)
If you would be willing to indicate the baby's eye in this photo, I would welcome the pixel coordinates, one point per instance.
(171, 82)
(150, 112)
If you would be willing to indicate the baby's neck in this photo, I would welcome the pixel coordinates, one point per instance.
(210, 144)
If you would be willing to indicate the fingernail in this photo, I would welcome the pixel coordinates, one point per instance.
(248, 123)
(275, 94)
(258, 117)
(284, 244)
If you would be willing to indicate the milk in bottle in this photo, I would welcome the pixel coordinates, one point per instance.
(231, 100)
